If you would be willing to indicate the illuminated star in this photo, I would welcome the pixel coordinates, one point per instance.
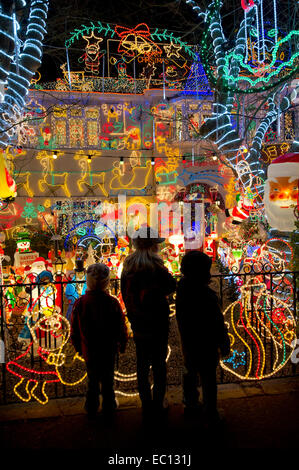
(173, 50)
(237, 359)
(92, 40)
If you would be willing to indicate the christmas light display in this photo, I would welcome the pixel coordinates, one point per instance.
(136, 41)
(159, 156)
(50, 177)
(42, 318)
(87, 230)
(197, 82)
(220, 126)
(214, 29)
(59, 363)
(257, 322)
(90, 181)
(92, 54)
(138, 56)
(17, 126)
(261, 69)
(270, 152)
(139, 179)
(20, 66)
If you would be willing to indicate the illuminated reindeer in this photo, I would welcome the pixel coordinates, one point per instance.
(89, 180)
(21, 178)
(22, 181)
(52, 181)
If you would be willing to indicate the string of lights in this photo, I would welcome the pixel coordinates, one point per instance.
(17, 74)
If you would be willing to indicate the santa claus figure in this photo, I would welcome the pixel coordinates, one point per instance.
(281, 192)
(241, 211)
(39, 265)
(210, 247)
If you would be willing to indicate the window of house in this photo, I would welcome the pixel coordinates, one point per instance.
(76, 126)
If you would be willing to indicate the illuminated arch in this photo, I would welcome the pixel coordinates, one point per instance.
(91, 235)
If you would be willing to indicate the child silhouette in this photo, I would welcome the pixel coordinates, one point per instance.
(202, 330)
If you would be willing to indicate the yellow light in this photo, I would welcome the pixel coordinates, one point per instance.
(260, 324)
(139, 180)
(119, 377)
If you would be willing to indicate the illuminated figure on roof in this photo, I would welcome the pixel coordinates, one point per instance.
(92, 53)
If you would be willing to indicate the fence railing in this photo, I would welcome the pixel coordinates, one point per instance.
(40, 363)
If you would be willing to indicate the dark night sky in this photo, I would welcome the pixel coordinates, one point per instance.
(65, 16)
(175, 15)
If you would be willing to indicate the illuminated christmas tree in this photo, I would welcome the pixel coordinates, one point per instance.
(29, 211)
(197, 82)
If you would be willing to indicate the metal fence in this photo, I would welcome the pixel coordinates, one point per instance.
(40, 363)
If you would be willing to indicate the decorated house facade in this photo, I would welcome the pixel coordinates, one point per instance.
(127, 118)
(81, 150)
(132, 123)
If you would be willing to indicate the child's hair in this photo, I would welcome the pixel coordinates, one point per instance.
(196, 265)
(97, 277)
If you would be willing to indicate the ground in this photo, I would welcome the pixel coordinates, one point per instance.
(260, 415)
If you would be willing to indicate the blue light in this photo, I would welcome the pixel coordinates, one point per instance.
(91, 233)
(197, 82)
(22, 65)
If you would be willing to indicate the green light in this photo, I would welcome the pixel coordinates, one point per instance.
(239, 58)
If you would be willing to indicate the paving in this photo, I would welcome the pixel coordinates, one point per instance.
(255, 415)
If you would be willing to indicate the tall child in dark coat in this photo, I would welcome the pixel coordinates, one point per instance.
(145, 285)
(203, 332)
(98, 331)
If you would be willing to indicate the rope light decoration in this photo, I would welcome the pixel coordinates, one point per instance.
(19, 67)
(49, 341)
(213, 31)
(141, 30)
(257, 322)
(120, 377)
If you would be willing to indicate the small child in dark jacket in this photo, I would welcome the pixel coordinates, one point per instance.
(202, 330)
(98, 331)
